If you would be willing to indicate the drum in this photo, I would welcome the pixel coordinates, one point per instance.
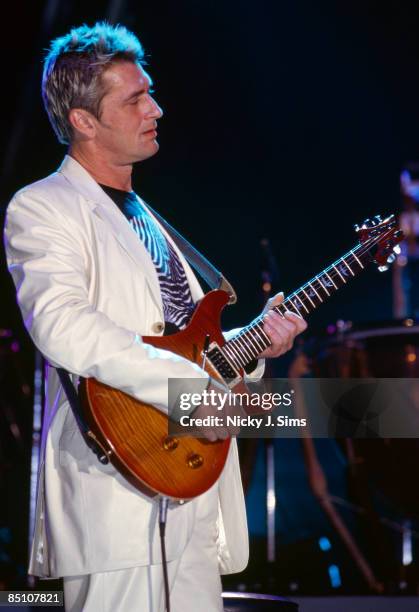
(378, 351)
(391, 466)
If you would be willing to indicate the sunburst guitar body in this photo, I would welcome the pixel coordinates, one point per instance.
(134, 435)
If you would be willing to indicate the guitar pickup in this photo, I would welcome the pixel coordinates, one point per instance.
(223, 365)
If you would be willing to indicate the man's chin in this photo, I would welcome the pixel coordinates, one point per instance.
(148, 152)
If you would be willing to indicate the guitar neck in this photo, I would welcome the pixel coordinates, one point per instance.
(252, 340)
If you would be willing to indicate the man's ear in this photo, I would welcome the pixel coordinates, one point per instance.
(83, 123)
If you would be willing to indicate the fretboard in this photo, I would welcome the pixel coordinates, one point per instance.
(252, 340)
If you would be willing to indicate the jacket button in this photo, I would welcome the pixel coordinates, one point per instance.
(157, 327)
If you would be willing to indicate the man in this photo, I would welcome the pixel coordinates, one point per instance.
(90, 285)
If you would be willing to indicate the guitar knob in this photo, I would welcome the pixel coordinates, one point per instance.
(170, 444)
(195, 461)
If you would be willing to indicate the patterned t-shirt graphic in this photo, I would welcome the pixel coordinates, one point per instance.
(177, 300)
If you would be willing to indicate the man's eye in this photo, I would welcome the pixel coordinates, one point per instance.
(135, 100)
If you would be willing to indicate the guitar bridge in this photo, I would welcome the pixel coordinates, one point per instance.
(223, 365)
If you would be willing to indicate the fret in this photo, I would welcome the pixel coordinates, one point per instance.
(331, 280)
(314, 289)
(347, 265)
(301, 302)
(296, 311)
(250, 332)
(244, 356)
(343, 280)
(257, 339)
(342, 266)
(262, 331)
(242, 345)
(239, 357)
(226, 349)
(357, 259)
(277, 309)
(309, 299)
(231, 355)
(247, 335)
(322, 285)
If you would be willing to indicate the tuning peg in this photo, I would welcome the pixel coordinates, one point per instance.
(397, 249)
(391, 258)
(382, 268)
(368, 223)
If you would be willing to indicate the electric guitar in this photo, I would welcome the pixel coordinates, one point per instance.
(133, 436)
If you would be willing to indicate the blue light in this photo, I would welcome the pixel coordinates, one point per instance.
(325, 544)
(407, 543)
(334, 575)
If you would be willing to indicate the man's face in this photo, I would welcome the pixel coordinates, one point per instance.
(126, 131)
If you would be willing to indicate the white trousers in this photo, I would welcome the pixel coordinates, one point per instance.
(194, 580)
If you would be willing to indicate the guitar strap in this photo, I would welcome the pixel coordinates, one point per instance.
(209, 273)
(215, 280)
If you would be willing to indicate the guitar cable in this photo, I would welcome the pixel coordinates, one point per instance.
(163, 505)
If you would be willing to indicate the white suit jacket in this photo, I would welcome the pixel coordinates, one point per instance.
(88, 292)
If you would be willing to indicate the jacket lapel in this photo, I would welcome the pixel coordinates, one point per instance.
(106, 209)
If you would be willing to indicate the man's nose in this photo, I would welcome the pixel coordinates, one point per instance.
(155, 110)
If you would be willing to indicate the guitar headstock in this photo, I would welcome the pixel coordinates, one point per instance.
(384, 236)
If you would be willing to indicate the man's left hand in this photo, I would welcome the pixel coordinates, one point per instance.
(281, 330)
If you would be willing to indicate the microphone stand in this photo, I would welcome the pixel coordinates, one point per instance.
(269, 273)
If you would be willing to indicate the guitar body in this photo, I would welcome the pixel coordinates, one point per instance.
(134, 435)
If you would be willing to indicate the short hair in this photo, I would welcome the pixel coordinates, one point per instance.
(73, 69)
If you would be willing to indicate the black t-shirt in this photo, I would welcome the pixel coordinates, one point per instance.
(178, 305)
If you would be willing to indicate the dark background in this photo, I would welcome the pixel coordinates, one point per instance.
(286, 120)
(283, 120)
